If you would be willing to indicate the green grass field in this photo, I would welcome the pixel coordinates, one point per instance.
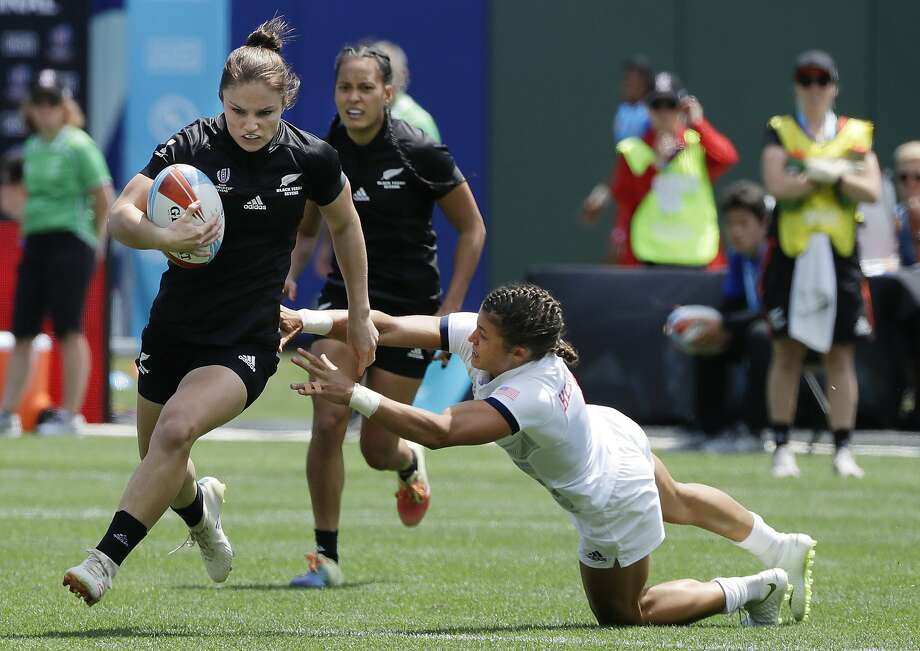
(493, 565)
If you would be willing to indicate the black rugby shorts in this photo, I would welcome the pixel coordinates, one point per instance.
(406, 362)
(54, 274)
(162, 363)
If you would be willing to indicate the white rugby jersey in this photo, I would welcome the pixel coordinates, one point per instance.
(552, 437)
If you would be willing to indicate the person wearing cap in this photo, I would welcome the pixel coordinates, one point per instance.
(68, 194)
(662, 183)
(819, 166)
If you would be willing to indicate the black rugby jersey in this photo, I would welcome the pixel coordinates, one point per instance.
(395, 207)
(235, 298)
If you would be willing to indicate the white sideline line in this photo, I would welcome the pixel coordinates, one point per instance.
(658, 442)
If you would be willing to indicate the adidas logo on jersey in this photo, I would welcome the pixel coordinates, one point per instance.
(360, 195)
(255, 204)
(248, 360)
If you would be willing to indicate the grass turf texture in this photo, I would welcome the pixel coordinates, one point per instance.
(493, 564)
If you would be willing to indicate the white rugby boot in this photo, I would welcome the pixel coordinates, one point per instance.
(845, 465)
(92, 578)
(763, 609)
(796, 554)
(62, 423)
(10, 425)
(209, 535)
(784, 464)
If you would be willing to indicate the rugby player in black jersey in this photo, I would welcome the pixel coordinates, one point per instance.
(397, 175)
(212, 339)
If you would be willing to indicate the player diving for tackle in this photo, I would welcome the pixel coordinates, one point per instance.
(594, 461)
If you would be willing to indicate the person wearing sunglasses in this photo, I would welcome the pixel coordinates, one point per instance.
(907, 182)
(662, 183)
(819, 166)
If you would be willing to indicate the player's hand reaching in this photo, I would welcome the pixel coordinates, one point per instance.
(291, 325)
(362, 337)
(191, 233)
(326, 380)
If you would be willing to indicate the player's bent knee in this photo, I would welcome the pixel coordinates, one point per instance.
(329, 428)
(376, 457)
(174, 432)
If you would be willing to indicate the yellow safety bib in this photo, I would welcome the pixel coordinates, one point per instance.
(825, 210)
(677, 222)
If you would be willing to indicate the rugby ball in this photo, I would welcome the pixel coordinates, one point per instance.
(686, 323)
(172, 191)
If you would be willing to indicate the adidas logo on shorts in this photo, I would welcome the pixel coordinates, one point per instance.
(596, 556)
(249, 360)
(255, 204)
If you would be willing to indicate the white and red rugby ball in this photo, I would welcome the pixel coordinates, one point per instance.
(686, 323)
(172, 191)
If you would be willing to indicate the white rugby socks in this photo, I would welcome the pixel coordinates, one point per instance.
(739, 590)
(762, 542)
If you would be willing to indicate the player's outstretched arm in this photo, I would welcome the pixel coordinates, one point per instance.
(473, 422)
(415, 331)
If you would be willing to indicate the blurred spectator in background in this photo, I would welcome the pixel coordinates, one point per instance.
(631, 118)
(12, 191)
(819, 167)
(662, 184)
(907, 181)
(402, 108)
(68, 194)
(742, 336)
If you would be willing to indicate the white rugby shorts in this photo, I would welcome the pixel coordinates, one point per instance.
(630, 527)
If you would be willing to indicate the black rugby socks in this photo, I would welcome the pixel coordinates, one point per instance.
(124, 534)
(780, 433)
(327, 543)
(194, 512)
(408, 471)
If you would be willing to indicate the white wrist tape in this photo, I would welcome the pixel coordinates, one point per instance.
(364, 401)
(315, 322)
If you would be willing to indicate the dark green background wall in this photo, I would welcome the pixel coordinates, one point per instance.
(555, 74)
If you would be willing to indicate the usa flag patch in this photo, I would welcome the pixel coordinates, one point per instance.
(508, 392)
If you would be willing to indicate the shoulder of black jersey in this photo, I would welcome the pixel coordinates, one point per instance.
(411, 136)
(302, 143)
(200, 132)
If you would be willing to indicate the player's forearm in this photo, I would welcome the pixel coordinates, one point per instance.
(128, 225)
(348, 244)
(414, 424)
(466, 257)
(413, 331)
(301, 254)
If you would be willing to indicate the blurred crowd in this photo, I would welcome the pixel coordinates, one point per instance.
(796, 245)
